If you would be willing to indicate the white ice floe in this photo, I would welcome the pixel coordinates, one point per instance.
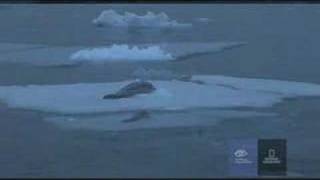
(157, 52)
(149, 20)
(217, 92)
(122, 53)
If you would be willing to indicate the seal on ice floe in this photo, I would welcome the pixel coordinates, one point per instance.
(132, 89)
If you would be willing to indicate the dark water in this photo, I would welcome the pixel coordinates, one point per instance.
(282, 44)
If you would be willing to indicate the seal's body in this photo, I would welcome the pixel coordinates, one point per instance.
(132, 89)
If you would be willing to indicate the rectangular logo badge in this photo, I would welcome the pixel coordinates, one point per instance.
(272, 157)
(243, 157)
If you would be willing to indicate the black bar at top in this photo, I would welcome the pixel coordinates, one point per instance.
(163, 1)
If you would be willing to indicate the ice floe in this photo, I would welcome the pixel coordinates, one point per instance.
(128, 19)
(158, 52)
(122, 53)
(217, 92)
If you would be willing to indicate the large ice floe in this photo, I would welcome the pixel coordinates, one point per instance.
(216, 92)
(149, 20)
(158, 52)
(121, 53)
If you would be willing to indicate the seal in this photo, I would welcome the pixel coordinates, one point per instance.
(132, 89)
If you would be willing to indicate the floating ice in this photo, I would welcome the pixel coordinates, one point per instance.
(218, 91)
(157, 52)
(149, 20)
(122, 53)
